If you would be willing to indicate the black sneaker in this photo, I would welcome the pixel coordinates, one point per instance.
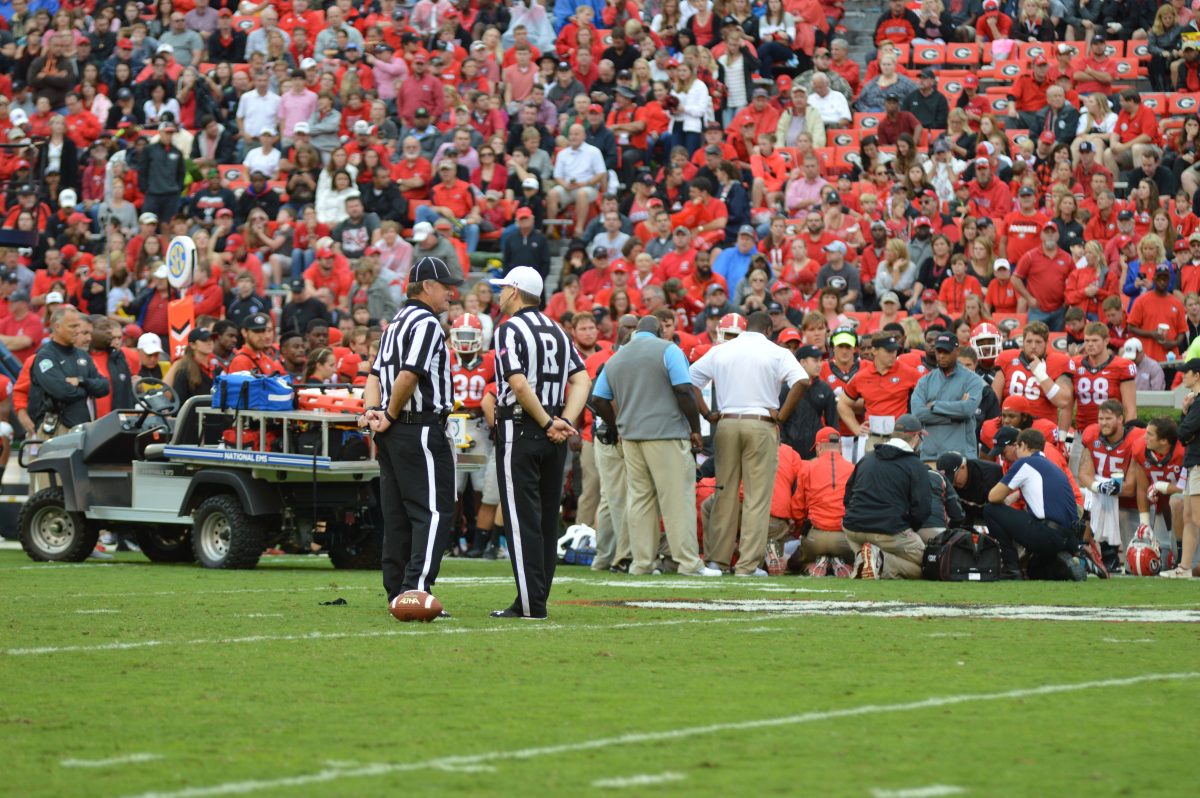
(1011, 575)
(509, 612)
(1073, 566)
(445, 615)
(491, 552)
(473, 553)
(622, 567)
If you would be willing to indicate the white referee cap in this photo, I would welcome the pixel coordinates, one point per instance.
(522, 278)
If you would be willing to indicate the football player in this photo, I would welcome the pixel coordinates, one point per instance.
(471, 369)
(1039, 375)
(1158, 469)
(1099, 375)
(1107, 471)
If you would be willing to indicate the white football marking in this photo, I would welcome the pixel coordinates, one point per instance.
(641, 738)
(96, 612)
(130, 759)
(640, 780)
(932, 791)
(428, 601)
(1129, 640)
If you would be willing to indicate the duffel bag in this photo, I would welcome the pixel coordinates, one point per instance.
(961, 555)
(243, 390)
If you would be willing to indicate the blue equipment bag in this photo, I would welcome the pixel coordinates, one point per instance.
(243, 390)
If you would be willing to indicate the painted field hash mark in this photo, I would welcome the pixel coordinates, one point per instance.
(903, 609)
(129, 759)
(640, 780)
(932, 791)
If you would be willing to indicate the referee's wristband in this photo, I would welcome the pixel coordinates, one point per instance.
(549, 423)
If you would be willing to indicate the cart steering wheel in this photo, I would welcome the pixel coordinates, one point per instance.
(154, 397)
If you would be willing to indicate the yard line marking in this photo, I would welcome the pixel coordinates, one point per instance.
(262, 615)
(641, 780)
(130, 759)
(905, 609)
(229, 591)
(96, 612)
(1129, 640)
(49, 567)
(448, 630)
(385, 769)
(932, 791)
(948, 634)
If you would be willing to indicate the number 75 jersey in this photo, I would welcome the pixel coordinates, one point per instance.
(1094, 386)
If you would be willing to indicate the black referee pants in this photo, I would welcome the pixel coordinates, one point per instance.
(1010, 526)
(416, 494)
(529, 468)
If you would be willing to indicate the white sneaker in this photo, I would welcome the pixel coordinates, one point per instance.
(757, 572)
(1178, 572)
(713, 565)
(704, 570)
(868, 563)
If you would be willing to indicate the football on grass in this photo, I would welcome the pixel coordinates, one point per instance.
(415, 605)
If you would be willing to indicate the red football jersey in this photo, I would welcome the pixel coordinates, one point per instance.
(1095, 386)
(915, 360)
(1019, 381)
(1111, 460)
(470, 381)
(1168, 468)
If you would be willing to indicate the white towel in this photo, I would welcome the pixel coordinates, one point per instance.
(1106, 519)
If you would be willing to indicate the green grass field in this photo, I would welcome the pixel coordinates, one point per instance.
(130, 679)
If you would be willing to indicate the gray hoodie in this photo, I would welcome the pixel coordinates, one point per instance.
(948, 418)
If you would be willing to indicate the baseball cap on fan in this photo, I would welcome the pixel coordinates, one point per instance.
(522, 278)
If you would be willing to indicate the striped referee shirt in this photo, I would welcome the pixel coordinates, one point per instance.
(531, 344)
(416, 342)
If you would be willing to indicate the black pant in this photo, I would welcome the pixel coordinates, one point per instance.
(529, 468)
(416, 494)
(163, 206)
(1010, 526)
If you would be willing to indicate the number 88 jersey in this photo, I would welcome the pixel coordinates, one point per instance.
(1096, 385)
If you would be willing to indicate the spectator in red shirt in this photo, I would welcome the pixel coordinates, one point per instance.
(21, 331)
(1137, 129)
(1041, 279)
(208, 299)
(993, 197)
(1158, 317)
(1094, 71)
(1002, 296)
(896, 122)
(992, 24)
(325, 274)
(453, 199)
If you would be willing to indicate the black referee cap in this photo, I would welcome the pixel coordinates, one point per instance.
(428, 268)
(1005, 437)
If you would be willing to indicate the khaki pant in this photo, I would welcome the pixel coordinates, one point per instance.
(660, 482)
(902, 553)
(825, 543)
(747, 453)
(612, 533)
(589, 486)
(929, 533)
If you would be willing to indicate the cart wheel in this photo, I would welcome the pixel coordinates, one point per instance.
(224, 536)
(51, 533)
(166, 544)
(356, 548)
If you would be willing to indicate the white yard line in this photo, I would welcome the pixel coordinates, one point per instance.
(641, 738)
(408, 631)
(640, 780)
(130, 759)
(932, 791)
(1128, 640)
(96, 612)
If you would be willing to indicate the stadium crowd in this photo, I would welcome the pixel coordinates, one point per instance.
(976, 245)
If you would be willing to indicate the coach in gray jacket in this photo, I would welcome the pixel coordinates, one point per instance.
(945, 401)
(659, 423)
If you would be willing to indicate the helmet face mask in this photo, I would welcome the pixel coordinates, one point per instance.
(466, 334)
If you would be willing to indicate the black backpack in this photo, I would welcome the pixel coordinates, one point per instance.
(961, 555)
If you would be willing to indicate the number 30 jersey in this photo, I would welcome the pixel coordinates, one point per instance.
(1096, 385)
(469, 381)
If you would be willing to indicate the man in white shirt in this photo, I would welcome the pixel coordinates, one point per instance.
(257, 110)
(748, 372)
(579, 172)
(830, 104)
(268, 21)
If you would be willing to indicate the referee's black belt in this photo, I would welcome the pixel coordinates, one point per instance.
(1057, 527)
(517, 414)
(421, 419)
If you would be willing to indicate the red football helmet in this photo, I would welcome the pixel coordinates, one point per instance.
(466, 334)
(987, 341)
(731, 325)
(1143, 557)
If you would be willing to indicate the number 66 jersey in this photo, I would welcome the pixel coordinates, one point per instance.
(1094, 385)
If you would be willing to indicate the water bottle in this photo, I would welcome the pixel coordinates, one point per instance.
(1170, 357)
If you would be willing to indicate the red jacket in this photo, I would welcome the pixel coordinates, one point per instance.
(821, 491)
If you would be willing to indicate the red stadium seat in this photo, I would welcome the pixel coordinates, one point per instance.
(1128, 69)
(964, 55)
(1008, 71)
(1015, 136)
(234, 175)
(1139, 49)
(924, 55)
(1027, 51)
(867, 122)
(950, 87)
(1156, 102)
(245, 24)
(847, 137)
(846, 158)
(1021, 318)
(1185, 104)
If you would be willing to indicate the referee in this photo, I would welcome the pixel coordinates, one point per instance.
(408, 397)
(535, 365)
